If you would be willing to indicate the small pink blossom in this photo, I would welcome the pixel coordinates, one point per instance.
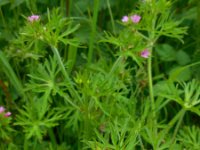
(7, 114)
(2, 109)
(33, 18)
(125, 19)
(135, 18)
(145, 53)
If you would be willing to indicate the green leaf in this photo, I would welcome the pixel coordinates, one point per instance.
(166, 52)
(184, 74)
(182, 58)
(176, 73)
(10, 73)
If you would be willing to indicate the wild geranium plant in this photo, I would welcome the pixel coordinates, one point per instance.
(144, 27)
(71, 87)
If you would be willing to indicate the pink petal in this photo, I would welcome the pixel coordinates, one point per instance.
(2, 109)
(33, 18)
(135, 18)
(145, 53)
(125, 19)
(7, 114)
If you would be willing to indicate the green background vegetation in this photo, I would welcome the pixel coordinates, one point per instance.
(75, 78)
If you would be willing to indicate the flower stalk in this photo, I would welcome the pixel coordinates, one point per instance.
(151, 93)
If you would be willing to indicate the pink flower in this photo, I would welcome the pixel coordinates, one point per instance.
(7, 114)
(135, 18)
(125, 19)
(33, 18)
(2, 109)
(145, 53)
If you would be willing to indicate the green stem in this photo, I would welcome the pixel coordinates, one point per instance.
(67, 99)
(52, 137)
(177, 128)
(72, 90)
(93, 32)
(26, 143)
(35, 143)
(72, 53)
(115, 65)
(141, 143)
(111, 16)
(151, 90)
(174, 120)
(68, 7)
(114, 68)
(152, 41)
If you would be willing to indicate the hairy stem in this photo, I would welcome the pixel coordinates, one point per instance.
(151, 90)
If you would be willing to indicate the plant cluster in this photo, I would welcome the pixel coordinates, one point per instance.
(88, 75)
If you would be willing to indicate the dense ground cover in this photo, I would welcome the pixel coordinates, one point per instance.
(99, 74)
